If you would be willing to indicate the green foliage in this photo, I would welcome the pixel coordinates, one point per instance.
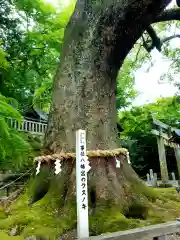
(13, 147)
(33, 50)
(42, 95)
(125, 92)
(171, 51)
(3, 62)
(8, 108)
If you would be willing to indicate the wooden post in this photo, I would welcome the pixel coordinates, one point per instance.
(177, 155)
(162, 160)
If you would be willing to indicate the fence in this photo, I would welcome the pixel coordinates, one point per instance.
(159, 182)
(8, 181)
(156, 232)
(28, 126)
(153, 181)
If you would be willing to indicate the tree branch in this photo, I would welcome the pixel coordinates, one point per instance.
(178, 3)
(170, 38)
(146, 46)
(156, 41)
(168, 15)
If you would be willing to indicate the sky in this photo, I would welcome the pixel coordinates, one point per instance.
(147, 83)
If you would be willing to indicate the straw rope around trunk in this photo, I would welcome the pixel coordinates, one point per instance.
(90, 154)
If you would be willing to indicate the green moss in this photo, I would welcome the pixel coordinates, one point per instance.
(41, 219)
(103, 218)
(164, 206)
(3, 215)
(145, 191)
(156, 216)
(41, 231)
(4, 236)
(110, 220)
(46, 219)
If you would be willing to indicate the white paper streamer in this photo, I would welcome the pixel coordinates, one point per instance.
(57, 166)
(38, 168)
(118, 163)
(88, 167)
(128, 158)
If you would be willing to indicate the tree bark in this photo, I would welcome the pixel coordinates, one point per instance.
(98, 37)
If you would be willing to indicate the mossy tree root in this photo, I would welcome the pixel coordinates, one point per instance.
(107, 186)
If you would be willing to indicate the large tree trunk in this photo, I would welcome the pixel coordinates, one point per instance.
(97, 39)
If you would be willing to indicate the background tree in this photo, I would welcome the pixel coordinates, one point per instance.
(31, 38)
(31, 35)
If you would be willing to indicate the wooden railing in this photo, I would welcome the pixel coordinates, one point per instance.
(28, 126)
(158, 232)
(174, 183)
(153, 181)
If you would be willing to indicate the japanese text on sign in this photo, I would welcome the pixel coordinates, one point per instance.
(81, 185)
(83, 172)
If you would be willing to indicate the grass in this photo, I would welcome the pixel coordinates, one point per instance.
(42, 219)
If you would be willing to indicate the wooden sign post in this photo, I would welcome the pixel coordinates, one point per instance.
(81, 185)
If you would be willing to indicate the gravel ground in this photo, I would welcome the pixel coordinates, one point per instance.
(174, 237)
